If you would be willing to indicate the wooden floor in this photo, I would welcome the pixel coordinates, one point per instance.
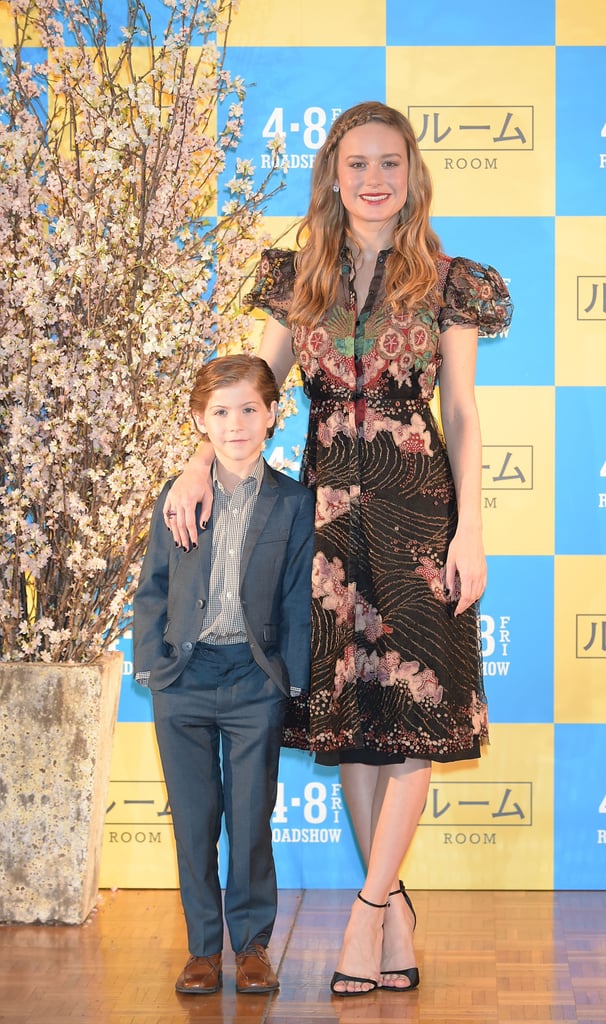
(484, 957)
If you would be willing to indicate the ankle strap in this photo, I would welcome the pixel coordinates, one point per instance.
(369, 904)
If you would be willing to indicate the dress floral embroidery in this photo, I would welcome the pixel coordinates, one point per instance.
(394, 674)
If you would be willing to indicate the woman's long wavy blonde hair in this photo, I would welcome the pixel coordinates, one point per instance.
(411, 274)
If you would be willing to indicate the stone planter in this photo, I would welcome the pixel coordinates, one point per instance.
(56, 731)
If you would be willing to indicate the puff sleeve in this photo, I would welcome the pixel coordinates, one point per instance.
(273, 287)
(475, 295)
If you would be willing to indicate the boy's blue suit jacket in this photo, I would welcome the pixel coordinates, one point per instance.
(275, 589)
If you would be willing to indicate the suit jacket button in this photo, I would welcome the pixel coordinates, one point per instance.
(200, 603)
(187, 646)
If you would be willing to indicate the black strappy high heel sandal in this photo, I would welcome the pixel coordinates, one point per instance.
(412, 973)
(337, 976)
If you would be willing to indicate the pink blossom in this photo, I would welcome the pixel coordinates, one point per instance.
(413, 437)
(330, 504)
(327, 582)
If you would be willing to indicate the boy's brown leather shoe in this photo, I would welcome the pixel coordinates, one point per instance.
(201, 975)
(254, 972)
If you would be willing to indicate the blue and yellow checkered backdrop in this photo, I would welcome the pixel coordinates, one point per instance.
(509, 105)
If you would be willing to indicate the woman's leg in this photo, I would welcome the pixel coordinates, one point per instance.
(385, 804)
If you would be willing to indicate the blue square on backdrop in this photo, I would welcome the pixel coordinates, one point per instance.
(444, 23)
(580, 807)
(298, 92)
(135, 701)
(580, 471)
(30, 56)
(517, 638)
(522, 250)
(285, 449)
(581, 131)
(313, 840)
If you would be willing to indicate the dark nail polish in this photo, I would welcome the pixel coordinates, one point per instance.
(204, 524)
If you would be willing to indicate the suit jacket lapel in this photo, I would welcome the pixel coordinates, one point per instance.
(266, 499)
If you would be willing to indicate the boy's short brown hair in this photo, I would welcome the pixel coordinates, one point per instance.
(227, 370)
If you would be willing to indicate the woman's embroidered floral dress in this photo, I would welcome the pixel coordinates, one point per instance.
(394, 673)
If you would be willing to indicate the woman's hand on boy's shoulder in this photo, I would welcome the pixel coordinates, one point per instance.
(188, 507)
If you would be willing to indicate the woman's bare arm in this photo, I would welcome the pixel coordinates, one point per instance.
(276, 348)
(460, 421)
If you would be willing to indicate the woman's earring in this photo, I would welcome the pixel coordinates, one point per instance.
(335, 188)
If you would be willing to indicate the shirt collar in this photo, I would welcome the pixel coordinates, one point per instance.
(256, 475)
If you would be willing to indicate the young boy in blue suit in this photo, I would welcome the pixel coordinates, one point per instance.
(221, 638)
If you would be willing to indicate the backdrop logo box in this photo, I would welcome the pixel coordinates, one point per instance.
(510, 169)
(518, 474)
(591, 636)
(489, 823)
(479, 804)
(591, 297)
(507, 467)
(580, 613)
(581, 301)
(138, 816)
(469, 128)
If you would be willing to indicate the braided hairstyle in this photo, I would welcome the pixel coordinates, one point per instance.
(411, 274)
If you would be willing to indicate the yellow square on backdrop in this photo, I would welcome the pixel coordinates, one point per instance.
(485, 120)
(140, 63)
(581, 24)
(488, 823)
(580, 638)
(518, 427)
(580, 310)
(7, 26)
(7, 29)
(282, 230)
(138, 842)
(309, 23)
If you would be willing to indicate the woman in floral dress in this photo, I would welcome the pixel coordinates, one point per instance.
(373, 312)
